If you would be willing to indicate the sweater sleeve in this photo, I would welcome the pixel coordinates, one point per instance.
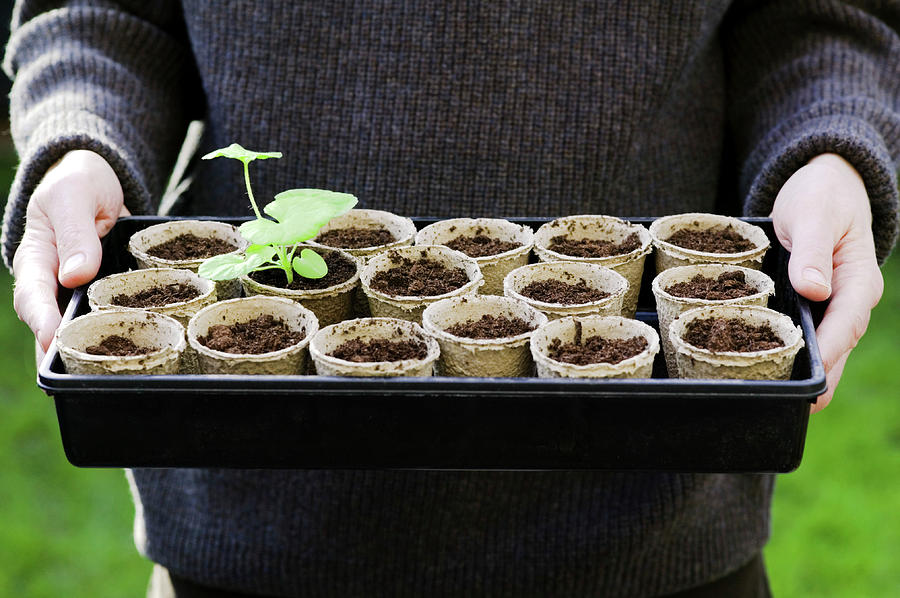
(117, 78)
(808, 77)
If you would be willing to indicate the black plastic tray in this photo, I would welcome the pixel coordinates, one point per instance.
(308, 422)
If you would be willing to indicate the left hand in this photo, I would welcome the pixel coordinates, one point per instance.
(822, 216)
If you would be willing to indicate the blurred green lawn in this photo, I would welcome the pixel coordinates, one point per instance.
(836, 532)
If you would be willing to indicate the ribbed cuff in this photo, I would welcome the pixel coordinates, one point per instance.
(60, 134)
(791, 145)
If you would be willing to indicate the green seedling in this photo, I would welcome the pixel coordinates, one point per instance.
(296, 216)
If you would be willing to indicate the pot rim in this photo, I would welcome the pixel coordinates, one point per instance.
(205, 294)
(525, 230)
(659, 290)
(476, 279)
(311, 324)
(647, 331)
(110, 314)
(189, 226)
(616, 260)
(334, 289)
(537, 318)
(401, 221)
(717, 357)
(618, 292)
(744, 227)
(403, 364)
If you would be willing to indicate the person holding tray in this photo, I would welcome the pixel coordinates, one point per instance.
(458, 109)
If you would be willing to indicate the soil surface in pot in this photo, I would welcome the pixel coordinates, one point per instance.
(594, 247)
(595, 349)
(563, 293)
(419, 278)
(340, 269)
(480, 244)
(490, 326)
(731, 334)
(191, 247)
(356, 238)
(728, 285)
(118, 346)
(712, 240)
(377, 349)
(158, 295)
(261, 335)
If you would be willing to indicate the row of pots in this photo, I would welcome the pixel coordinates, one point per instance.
(102, 292)
(452, 355)
(494, 269)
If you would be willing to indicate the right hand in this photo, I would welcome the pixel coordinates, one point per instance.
(76, 203)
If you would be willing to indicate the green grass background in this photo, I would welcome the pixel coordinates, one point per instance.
(836, 531)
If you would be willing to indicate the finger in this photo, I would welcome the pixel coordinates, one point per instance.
(34, 267)
(75, 222)
(832, 378)
(810, 265)
(857, 289)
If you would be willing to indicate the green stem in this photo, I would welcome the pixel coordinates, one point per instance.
(286, 264)
(249, 189)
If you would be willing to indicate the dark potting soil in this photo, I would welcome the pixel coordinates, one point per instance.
(595, 349)
(594, 247)
(360, 351)
(340, 269)
(356, 238)
(490, 326)
(119, 346)
(260, 335)
(422, 277)
(712, 240)
(731, 334)
(158, 295)
(728, 285)
(191, 247)
(564, 293)
(480, 244)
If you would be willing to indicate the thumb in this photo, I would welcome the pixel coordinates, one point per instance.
(81, 198)
(811, 264)
(77, 243)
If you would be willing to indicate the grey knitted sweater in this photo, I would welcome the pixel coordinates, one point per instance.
(453, 108)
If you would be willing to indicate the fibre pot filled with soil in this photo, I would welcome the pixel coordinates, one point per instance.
(482, 335)
(402, 282)
(498, 246)
(685, 287)
(697, 238)
(560, 289)
(735, 341)
(362, 234)
(253, 335)
(185, 244)
(169, 291)
(330, 297)
(601, 240)
(378, 347)
(121, 342)
(594, 347)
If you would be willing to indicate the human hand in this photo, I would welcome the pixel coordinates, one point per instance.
(822, 216)
(76, 203)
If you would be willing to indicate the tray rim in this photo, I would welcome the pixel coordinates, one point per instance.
(54, 382)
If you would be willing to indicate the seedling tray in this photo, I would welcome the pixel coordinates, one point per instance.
(315, 422)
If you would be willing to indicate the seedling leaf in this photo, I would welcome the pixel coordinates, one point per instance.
(225, 267)
(238, 152)
(310, 264)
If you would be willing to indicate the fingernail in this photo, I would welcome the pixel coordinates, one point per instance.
(73, 263)
(816, 277)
